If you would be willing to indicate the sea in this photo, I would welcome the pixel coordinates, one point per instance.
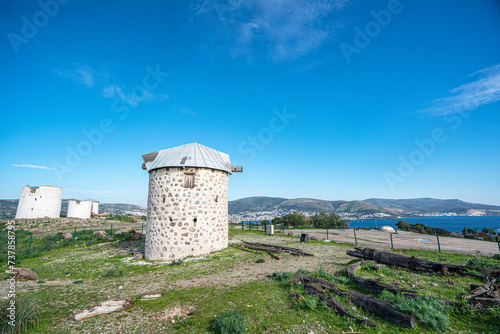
(449, 223)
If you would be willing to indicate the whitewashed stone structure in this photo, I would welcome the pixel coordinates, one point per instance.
(79, 209)
(187, 201)
(95, 208)
(39, 202)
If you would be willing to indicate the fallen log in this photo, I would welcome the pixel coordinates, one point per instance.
(274, 248)
(417, 264)
(274, 256)
(380, 307)
(484, 302)
(240, 247)
(371, 284)
(480, 290)
(108, 306)
(334, 304)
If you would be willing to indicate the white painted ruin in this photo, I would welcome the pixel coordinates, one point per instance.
(95, 207)
(187, 201)
(79, 209)
(39, 202)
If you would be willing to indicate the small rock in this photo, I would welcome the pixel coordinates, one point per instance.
(36, 231)
(155, 263)
(434, 284)
(66, 236)
(378, 266)
(138, 256)
(120, 287)
(450, 281)
(100, 233)
(24, 273)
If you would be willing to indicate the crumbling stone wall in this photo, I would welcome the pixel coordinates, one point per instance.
(182, 220)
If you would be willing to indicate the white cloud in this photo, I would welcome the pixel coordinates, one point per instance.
(285, 29)
(116, 91)
(32, 166)
(82, 74)
(484, 90)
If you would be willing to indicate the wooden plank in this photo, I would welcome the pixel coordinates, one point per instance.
(109, 306)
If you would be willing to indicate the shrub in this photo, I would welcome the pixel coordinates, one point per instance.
(260, 261)
(26, 315)
(114, 273)
(496, 257)
(429, 310)
(309, 302)
(231, 322)
(80, 281)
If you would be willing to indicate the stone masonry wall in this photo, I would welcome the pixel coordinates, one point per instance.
(186, 221)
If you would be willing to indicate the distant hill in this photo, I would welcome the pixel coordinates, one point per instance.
(393, 207)
(258, 204)
(8, 208)
(429, 205)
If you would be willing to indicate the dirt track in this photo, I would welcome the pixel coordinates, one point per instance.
(405, 240)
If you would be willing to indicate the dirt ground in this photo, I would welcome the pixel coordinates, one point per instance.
(405, 240)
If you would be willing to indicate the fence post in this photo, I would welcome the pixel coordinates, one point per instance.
(142, 228)
(242, 226)
(326, 234)
(392, 244)
(355, 238)
(29, 247)
(439, 245)
(498, 242)
(74, 237)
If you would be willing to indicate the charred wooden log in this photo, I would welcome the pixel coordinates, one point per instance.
(417, 264)
(480, 290)
(274, 256)
(334, 304)
(371, 284)
(380, 307)
(274, 248)
(484, 302)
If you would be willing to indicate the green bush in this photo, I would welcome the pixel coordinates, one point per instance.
(496, 257)
(309, 302)
(26, 315)
(260, 261)
(429, 310)
(80, 281)
(231, 322)
(114, 273)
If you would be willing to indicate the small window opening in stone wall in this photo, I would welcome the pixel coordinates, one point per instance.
(195, 220)
(189, 180)
(216, 198)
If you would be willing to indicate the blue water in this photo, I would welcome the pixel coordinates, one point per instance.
(452, 224)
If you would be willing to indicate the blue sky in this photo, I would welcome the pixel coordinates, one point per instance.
(337, 100)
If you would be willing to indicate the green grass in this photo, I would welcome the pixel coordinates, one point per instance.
(265, 303)
(25, 314)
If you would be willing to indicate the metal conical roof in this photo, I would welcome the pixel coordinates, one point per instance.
(188, 155)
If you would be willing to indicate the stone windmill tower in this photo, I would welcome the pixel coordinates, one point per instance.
(39, 202)
(187, 201)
